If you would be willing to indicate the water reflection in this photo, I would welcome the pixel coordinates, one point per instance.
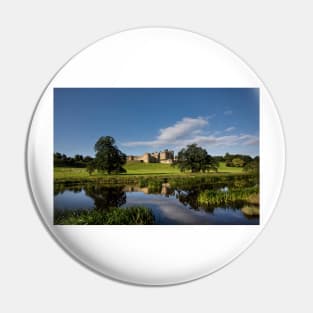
(172, 202)
(106, 196)
(103, 197)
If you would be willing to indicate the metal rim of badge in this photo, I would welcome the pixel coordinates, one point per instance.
(154, 57)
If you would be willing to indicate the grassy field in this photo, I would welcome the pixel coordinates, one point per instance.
(226, 169)
(134, 170)
(137, 168)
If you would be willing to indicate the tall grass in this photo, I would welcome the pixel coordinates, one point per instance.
(229, 197)
(213, 181)
(113, 216)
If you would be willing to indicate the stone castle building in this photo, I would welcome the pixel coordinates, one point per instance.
(165, 156)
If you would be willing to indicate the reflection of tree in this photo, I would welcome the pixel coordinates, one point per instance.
(188, 190)
(60, 188)
(185, 189)
(106, 196)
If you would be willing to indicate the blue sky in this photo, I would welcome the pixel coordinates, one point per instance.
(152, 119)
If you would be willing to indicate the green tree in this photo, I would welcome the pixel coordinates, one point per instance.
(253, 166)
(88, 159)
(229, 159)
(108, 157)
(195, 159)
(237, 162)
(91, 167)
(210, 164)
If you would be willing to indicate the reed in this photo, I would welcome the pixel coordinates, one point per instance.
(113, 216)
(229, 197)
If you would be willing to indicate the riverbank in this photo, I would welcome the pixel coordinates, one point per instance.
(136, 172)
(184, 198)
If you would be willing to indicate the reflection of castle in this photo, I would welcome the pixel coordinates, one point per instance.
(165, 156)
(165, 189)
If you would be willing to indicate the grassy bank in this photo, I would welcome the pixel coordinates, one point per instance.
(114, 216)
(135, 172)
(233, 197)
(228, 169)
(137, 168)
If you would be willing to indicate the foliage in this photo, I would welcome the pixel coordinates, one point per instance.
(239, 159)
(197, 191)
(113, 216)
(195, 159)
(253, 166)
(229, 197)
(218, 158)
(238, 162)
(62, 160)
(91, 167)
(130, 216)
(109, 158)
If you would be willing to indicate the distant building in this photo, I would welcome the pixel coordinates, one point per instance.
(165, 156)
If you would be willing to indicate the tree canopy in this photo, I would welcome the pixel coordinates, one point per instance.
(108, 157)
(237, 160)
(195, 159)
(253, 166)
(62, 160)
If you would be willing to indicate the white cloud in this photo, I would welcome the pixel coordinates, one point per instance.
(229, 129)
(181, 128)
(196, 132)
(171, 134)
(228, 112)
(229, 140)
(249, 139)
(188, 131)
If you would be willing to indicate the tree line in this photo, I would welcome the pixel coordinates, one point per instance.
(108, 158)
(240, 160)
(235, 160)
(62, 160)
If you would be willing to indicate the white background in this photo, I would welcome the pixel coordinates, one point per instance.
(37, 37)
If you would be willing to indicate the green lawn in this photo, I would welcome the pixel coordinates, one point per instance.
(226, 169)
(134, 171)
(137, 168)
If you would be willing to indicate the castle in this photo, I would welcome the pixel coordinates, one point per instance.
(165, 156)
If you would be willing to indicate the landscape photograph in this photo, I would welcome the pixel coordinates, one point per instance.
(156, 156)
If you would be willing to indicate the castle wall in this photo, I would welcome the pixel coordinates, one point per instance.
(165, 156)
(169, 161)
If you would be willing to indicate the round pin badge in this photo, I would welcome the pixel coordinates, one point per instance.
(155, 156)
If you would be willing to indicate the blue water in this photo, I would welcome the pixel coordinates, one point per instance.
(167, 209)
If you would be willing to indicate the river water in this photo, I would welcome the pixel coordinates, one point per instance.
(169, 206)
